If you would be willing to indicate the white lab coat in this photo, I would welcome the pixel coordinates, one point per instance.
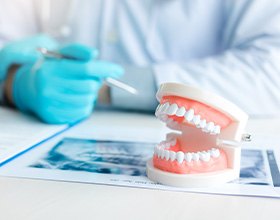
(230, 47)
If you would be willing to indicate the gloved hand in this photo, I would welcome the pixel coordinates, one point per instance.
(62, 91)
(23, 52)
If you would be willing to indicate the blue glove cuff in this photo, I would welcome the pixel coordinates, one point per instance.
(19, 92)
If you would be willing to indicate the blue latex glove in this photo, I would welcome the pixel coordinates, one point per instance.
(22, 52)
(63, 91)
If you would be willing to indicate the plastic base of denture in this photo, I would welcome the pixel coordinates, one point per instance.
(190, 180)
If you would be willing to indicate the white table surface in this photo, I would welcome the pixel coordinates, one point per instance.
(40, 199)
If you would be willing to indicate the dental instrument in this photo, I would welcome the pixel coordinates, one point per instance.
(109, 81)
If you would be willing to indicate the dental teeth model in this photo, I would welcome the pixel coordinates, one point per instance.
(197, 156)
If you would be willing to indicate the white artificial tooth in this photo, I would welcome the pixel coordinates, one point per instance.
(181, 112)
(202, 124)
(161, 108)
(180, 156)
(164, 106)
(167, 144)
(188, 157)
(215, 152)
(166, 154)
(217, 129)
(195, 156)
(196, 119)
(158, 109)
(167, 105)
(189, 115)
(156, 150)
(172, 109)
(161, 153)
(172, 155)
(160, 112)
(204, 156)
(212, 151)
(209, 127)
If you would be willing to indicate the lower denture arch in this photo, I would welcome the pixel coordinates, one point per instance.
(167, 159)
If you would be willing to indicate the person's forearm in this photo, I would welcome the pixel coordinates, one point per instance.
(6, 93)
(8, 84)
(104, 96)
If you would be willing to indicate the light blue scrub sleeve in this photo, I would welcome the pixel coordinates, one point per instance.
(142, 79)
